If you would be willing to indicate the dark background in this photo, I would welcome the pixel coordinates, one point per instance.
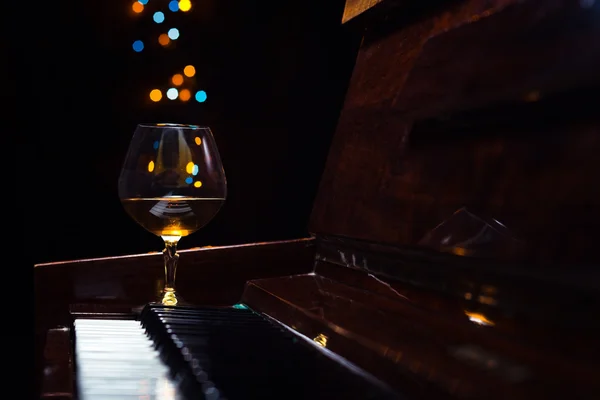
(275, 74)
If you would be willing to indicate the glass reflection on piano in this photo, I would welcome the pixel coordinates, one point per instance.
(478, 318)
(165, 390)
(467, 234)
(321, 340)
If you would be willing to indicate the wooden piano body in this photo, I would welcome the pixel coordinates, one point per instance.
(485, 106)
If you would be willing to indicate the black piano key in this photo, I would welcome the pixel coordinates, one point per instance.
(240, 354)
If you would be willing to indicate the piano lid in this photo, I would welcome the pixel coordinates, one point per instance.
(471, 129)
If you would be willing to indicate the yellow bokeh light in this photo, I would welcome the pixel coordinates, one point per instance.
(137, 7)
(197, 184)
(185, 5)
(198, 141)
(177, 79)
(163, 39)
(189, 71)
(189, 168)
(184, 95)
(155, 95)
(151, 166)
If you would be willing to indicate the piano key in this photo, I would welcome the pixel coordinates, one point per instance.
(206, 353)
(116, 360)
(240, 354)
(123, 372)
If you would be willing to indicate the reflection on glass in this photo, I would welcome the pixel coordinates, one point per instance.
(172, 183)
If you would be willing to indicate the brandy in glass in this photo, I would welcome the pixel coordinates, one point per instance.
(172, 183)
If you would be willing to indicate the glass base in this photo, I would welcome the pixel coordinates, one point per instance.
(171, 298)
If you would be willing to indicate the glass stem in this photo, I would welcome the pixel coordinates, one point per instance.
(171, 257)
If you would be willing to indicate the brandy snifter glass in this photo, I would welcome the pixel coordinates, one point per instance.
(172, 183)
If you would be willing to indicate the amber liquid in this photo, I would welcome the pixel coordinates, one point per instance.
(172, 217)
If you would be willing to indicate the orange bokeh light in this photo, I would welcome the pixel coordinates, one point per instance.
(177, 79)
(185, 95)
(155, 95)
(189, 71)
(137, 7)
(163, 39)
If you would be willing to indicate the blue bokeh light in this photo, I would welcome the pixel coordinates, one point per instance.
(200, 96)
(173, 5)
(189, 180)
(138, 46)
(173, 33)
(195, 170)
(155, 145)
(144, 2)
(158, 17)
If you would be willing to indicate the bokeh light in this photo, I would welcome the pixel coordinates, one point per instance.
(189, 71)
(158, 17)
(197, 184)
(189, 180)
(174, 5)
(185, 5)
(151, 166)
(198, 140)
(177, 79)
(195, 170)
(172, 93)
(200, 96)
(173, 33)
(184, 95)
(163, 39)
(189, 167)
(138, 46)
(155, 95)
(144, 2)
(137, 7)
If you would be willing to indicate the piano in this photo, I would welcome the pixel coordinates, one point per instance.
(452, 251)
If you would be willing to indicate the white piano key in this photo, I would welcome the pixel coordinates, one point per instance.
(106, 322)
(108, 354)
(117, 361)
(151, 373)
(115, 366)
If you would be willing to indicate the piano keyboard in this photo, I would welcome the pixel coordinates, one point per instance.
(116, 360)
(209, 353)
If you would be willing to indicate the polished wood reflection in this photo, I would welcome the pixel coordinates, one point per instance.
(429, 344)
(485, 105)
